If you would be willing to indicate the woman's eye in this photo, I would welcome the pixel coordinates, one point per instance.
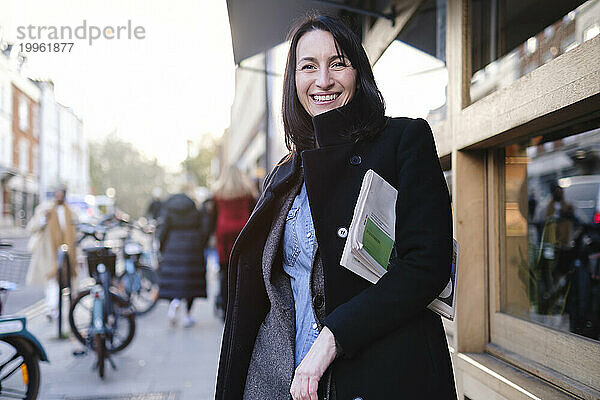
(307, 67)
(339, 65)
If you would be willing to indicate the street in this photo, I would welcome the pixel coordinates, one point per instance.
(162, 362)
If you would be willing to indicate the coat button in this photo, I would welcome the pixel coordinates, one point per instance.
(342, 232)
(318, 301)
(355, 160)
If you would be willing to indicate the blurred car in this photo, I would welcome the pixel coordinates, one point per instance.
(86, 212)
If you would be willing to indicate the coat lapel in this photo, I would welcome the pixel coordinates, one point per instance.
(277, 282)
(277, 181)
(272, 364)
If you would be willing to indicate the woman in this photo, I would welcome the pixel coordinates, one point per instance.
(234, 197)
(367, 341)
(182, 233)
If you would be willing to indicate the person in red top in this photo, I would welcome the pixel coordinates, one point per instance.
(234, 198)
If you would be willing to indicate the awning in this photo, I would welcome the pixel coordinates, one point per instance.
(258, 25)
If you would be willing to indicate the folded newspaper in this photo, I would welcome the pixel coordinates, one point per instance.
(371, 239)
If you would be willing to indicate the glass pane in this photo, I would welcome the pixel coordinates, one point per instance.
(496, 30)
(551, 266)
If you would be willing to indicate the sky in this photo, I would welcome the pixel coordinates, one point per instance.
(174, 85)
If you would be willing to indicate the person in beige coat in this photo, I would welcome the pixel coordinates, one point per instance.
(52, 225)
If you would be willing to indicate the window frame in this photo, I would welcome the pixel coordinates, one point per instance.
(566, 360)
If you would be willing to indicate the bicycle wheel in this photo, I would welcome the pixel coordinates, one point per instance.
(144, 288)
(121, 324)
(100, 347)
(19, 370)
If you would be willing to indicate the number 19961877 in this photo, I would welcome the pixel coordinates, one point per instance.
(46, 47)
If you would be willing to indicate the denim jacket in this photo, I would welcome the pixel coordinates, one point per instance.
(298, 251)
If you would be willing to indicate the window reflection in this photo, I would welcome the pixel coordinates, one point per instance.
(551, 269)
(559, 37)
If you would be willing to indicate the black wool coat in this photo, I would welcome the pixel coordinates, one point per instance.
(393, 347)
(182, 235)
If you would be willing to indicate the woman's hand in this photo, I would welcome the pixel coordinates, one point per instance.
(311, 369)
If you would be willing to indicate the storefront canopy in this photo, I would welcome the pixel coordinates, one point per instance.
(258, 25)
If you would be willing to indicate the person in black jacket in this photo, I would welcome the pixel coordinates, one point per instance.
(182, 232)
(297, 321)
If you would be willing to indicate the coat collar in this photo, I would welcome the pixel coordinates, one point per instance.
(335, 126)
(284, 173)
(282, 178)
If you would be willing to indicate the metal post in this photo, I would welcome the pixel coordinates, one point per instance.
(267, 117)
(59, 275)
(62, 259)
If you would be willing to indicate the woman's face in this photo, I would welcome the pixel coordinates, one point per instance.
(324, 81)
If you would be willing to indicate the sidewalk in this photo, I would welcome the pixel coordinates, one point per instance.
(162, 362)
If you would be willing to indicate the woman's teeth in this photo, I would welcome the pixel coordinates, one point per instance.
(327, 97)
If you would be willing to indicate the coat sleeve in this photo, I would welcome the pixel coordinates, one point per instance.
(420, 267)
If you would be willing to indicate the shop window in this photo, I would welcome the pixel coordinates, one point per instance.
(552, 242)
(547, 287)
(35, 121)
(520, 36)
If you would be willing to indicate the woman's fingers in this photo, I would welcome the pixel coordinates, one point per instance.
(308, 374)
(313, 385)
(304, 387)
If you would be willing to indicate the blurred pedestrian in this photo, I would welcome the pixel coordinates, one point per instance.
(182, 233)
(52, 225)
(234, 198)
(298, 322)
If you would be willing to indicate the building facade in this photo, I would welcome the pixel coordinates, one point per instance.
(254, 141)
(23, 186)
(6, 146)
(64, 150)
(42, 143)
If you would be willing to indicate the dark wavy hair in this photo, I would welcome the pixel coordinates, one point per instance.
(297, 123)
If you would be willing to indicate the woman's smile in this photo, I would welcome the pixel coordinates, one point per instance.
(324, 98)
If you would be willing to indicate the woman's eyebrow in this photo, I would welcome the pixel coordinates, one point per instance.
(337, 57)
(313, 59)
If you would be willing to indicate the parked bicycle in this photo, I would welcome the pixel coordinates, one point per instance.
(20, 351)
(100, 318)
(138, 280)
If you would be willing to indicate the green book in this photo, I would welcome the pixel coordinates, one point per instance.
(377, 243)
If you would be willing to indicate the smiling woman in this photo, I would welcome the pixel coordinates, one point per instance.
(298, 322)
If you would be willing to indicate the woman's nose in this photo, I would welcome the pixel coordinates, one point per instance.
(324, 80)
